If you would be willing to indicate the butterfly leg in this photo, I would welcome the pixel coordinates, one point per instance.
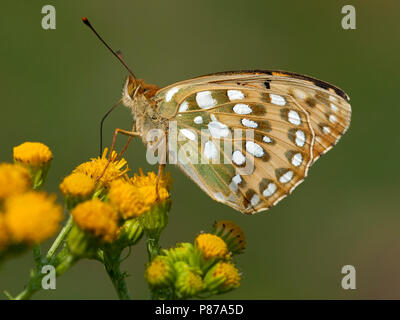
(161, 166)
(160, 173)
(130, 134)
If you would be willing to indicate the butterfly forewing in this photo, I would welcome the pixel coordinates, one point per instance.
(287, 119)
(329, 113)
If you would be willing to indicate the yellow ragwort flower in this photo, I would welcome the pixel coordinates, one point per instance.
(32, 153)
(95, 167)
(159, 273)
(77, 185)
(127, 199)
(32, 217)
(98, 218)
(147, 186)
(4, 234)
(14, 179)
(137, 195)
(211, 246)
(142, 180)
(229, 272)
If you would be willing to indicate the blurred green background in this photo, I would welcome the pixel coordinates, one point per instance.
(56, 85)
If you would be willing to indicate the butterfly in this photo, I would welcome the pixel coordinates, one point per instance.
(285, 121)
(294, 118)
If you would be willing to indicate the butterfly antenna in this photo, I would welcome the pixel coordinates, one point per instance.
(117, 55)
(101, 125)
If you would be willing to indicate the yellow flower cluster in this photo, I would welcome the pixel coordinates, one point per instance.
(14, 179)
(197, 270)
(31, 217)
(77, 185)
(98, 218)
(137, 195)
(96, 168)
(26, 217)
(211, 246)
(107, 180)
(32, 153)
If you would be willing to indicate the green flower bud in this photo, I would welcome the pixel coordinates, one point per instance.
(156, 219)
(182, 252)
(130, 233)
(160, 273)
(82, 244)
(232, 234)
(222, 277)
(188, 281)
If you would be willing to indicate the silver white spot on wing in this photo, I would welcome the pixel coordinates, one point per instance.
(285, 178)
(210, 150)
(254, 149)
(235, 95)
(270, 190)
(205, 100)
(238, 157)
(255, 200)
(334, 108)
(332, 118)
(300, 138)
(198, 120)
(171, 93)
(326, 130)
(242, 108)
(297, 159)
(235, 182)
(184, 106)
(294, 117)
(188, 134)
(249, 123)
(218, 129)
(277, 99)
(267, 139)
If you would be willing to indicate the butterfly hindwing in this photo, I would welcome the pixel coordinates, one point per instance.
(286, 116)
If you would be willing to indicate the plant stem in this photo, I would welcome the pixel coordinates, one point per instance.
(61, 236)
(118, 280)
(37, 256)
(112, 262)
(62, 262)
(153, 247)
(25, 294)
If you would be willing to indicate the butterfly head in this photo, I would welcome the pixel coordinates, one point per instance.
(136, 89)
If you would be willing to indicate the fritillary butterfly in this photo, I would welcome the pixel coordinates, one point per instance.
(294, 119)
(256, 132)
